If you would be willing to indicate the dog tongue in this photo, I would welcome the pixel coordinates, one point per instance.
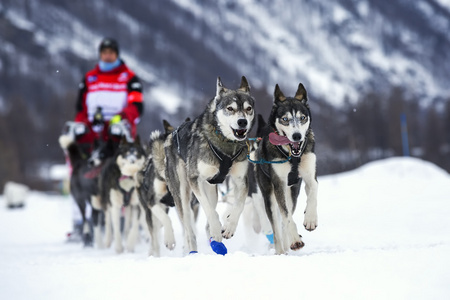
(276, 139)
(93, 172)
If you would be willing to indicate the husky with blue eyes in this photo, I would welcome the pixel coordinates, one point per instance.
(284, 158)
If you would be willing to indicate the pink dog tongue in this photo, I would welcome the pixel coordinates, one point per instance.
(93, 172)
(276, 139)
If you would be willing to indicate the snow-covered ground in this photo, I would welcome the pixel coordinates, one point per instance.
(384, 233)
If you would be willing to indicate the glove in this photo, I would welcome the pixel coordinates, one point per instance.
(116, 119)
(98, 117)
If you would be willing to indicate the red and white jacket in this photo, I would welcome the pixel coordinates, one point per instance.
(118, 91)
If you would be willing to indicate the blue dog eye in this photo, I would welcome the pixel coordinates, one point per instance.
(285, 119)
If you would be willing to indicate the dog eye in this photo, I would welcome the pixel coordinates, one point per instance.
(230, 108)
(249, 109)
(302, 118)
(284, 119)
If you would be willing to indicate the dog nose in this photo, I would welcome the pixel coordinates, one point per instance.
(297, 136)
(242, 123)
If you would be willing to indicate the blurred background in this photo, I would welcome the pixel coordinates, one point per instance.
(377, 72)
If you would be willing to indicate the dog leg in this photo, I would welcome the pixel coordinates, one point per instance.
(152, 226)
(169, 238)
(108, 228)
(133, 234)
(155, 247)
(286, 203)
(258, 203)
(273, 215)
(308, 173)
(127, 220)
(96, 212)
(190, 241)
(207, 196)
(116, 206)
(97, 228)
(239, 182)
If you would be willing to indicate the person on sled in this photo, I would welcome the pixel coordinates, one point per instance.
(108, 94)
(110, 97)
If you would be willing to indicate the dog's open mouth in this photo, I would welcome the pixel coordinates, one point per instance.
(240, 134)
(295, 149)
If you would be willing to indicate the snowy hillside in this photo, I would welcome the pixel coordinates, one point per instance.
(383, 234)
(338, 50)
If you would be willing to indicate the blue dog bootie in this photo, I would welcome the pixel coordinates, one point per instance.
(270, 237)
(217, 247)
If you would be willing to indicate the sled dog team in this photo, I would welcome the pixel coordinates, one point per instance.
(183, 167)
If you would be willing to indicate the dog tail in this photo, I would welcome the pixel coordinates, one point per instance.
(157, 152)
(72, 150)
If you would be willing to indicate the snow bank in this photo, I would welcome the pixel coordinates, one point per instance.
(383, 234)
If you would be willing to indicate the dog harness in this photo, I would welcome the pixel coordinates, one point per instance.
(225, 164)
(180, 136)
(126, 194)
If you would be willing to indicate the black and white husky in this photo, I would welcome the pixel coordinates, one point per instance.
(84, 176)
(285, 157)
(201, 153)
(117, 187)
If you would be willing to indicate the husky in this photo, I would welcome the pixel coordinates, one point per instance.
(117, 189)
(201, 153)
(84, 177)
(153, 193)
(284, 158)
(254, 214)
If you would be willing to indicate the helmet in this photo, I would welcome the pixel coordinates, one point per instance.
(109, 43)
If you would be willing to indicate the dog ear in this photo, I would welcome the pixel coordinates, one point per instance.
(301, 93)
(167, 127)
(220, 88)
(245, 87)
(278, 94)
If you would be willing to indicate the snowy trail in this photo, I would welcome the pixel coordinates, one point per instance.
(384, 233)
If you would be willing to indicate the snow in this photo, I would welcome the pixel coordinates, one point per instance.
(444, 3)
(383, 234)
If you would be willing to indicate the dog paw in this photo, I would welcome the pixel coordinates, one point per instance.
(310, 221)
(297, 245)
(170, 245)
(119, 249)
(169, 240)
(88, 240)
(227, 233)
(229, 229)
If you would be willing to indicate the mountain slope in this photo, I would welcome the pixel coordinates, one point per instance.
(339, 49)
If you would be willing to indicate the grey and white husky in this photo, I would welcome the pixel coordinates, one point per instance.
(152, 191)
(285, 157)
(201, 153)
